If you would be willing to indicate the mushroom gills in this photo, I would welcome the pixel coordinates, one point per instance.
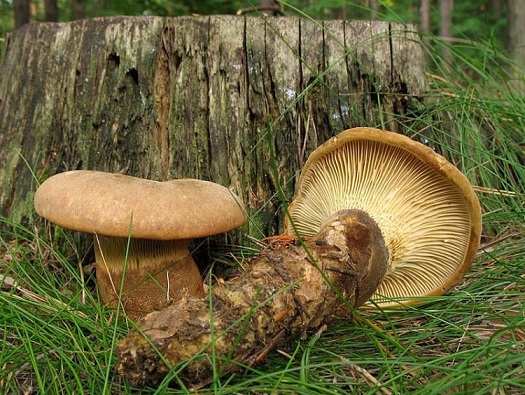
(427, 211)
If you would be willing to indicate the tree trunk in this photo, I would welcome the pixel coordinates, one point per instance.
(78, 9)
(219, 98)
(516, 15)
(424, 21)
(22, 12)
(446, 8)
(374, 9)
(51, 10)
(424, 16)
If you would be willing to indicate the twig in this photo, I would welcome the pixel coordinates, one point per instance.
(368, 377)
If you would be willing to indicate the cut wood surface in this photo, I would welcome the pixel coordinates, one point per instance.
(210, 97)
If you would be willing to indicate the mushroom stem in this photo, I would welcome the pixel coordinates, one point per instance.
(287, 291)
(155, 273)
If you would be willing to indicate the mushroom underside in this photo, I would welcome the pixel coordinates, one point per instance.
(424, 217)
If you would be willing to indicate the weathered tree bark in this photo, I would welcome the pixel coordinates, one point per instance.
(287, 291)
(216, 98)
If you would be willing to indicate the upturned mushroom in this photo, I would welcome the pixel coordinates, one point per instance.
(287, 291)
(142, 229)
(428, 212)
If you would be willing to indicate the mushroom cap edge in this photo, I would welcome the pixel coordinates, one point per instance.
(120, 206)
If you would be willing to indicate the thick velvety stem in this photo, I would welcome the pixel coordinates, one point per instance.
(156, 272)
(287, 291)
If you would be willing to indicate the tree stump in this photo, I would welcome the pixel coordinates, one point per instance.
(229, 99)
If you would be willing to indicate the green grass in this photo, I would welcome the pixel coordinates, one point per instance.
(57, 338)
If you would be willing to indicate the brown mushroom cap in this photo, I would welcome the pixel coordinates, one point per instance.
(120, 206)
(425, 207)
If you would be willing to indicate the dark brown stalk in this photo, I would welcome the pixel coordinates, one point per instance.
(287, 291)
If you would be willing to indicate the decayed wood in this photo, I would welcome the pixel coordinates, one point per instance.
(288, 291)
(215, 98)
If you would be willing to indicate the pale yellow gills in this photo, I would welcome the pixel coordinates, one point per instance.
(425, 207)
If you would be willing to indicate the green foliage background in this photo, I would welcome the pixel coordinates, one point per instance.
(475, 20)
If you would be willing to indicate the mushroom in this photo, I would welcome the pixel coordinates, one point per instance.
(142, 229)
(428, 212)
